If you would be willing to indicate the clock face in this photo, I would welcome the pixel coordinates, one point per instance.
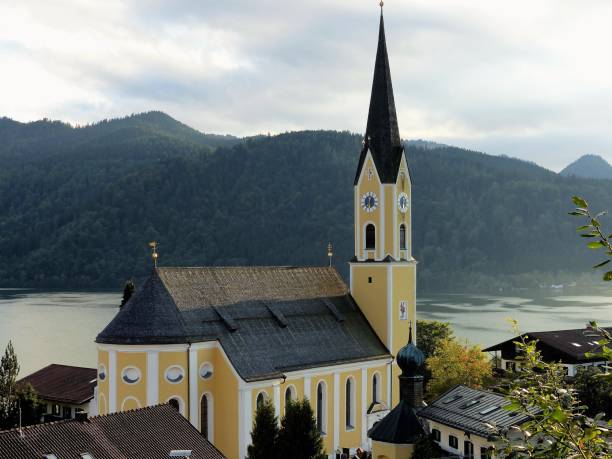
(403, 202)
(369, 202)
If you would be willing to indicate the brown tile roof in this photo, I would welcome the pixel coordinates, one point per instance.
(63, 383)
(147, 433)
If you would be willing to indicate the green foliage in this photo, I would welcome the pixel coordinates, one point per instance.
(594, 391)
(128, 291)
(299, 437)
(430, 333)
(427, 448)
(454, 363)
(14, 398)
(79, 205)
(265, 433)
(559, 426)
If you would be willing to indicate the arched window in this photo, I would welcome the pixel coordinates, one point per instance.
(370, 236)
(206, 416)
(261, 399)
(289, 396)
(375, 388)
(174, 403)
(350, 403)
(402, 237)
(321, 407)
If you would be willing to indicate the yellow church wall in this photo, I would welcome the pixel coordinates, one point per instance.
(169, 390)
(137, 391)
(225, 402)
(350, 436)
(371, 297)
(103, 385)
(382, 450)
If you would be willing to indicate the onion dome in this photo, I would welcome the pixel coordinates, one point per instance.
(410, 358)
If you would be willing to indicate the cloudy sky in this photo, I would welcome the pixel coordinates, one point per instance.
(530, 79)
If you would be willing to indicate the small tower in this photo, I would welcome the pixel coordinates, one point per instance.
(396, 434)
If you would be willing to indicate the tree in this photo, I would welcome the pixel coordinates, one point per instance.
(430, 333)
(455, 363)
(9, 369)
(594, 391)
(265, 433)
(128, 291)
(558, 426)
(299, 437)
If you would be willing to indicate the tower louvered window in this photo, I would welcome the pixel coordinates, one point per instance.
(370, 237)
(402, 237)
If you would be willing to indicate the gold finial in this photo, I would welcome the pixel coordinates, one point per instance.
(154, 254)
(330, 253)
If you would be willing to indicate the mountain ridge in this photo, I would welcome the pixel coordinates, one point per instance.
(589, 166)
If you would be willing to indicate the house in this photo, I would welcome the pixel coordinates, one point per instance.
(565, 346)
(154, 432)
(64, 390)
(458, 420)
(216, 341)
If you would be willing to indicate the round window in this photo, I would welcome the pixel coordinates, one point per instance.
(206, 371)
(102, 372)
(175, 374)
(130, 375)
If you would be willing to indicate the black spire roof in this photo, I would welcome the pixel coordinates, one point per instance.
(382, 133)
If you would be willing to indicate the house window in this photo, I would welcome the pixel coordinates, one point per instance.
(435, 433)
(321, 408)
(370, 237)
(350, 403)
(402, 237)
(453, 442)
(375, 388)
(55, 410)
(67, 412)
(510, 366)
(468, 450)
(205, 420)
(485, 453)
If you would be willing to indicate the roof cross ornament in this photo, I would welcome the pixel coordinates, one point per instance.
(154, 254)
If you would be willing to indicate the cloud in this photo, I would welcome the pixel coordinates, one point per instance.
(527, 79)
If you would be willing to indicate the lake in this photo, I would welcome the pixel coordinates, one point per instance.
(60, 327)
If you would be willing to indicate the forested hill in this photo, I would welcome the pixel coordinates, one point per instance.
(590, 166)
(79, 205)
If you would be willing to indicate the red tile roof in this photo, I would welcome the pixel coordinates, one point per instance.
(147, 433)
(63, 383)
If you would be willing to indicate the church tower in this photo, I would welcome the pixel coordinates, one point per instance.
(383, 272)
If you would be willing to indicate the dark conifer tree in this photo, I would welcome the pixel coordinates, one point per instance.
(299, 437)
(265, 433)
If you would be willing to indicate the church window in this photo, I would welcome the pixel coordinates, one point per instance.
(321, 408)
(176, 402)
(402, 237)
(370, 236)
(370, 173)
(369, 280)
(350, 403)
(102, 372)
(290, 396)
(175, 374)
(130, 375)
(206, 416)
(376, 388)
(206, 371)
(261, 398)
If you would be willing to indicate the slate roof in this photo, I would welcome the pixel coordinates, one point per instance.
(469, 409)
(401, 426)
(382, 136)
(568, 346)
(269, 320)
(63, 383)
(149, 433)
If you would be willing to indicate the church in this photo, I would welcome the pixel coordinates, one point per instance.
(217, 341)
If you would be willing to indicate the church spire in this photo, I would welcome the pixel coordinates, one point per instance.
(382, 133)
